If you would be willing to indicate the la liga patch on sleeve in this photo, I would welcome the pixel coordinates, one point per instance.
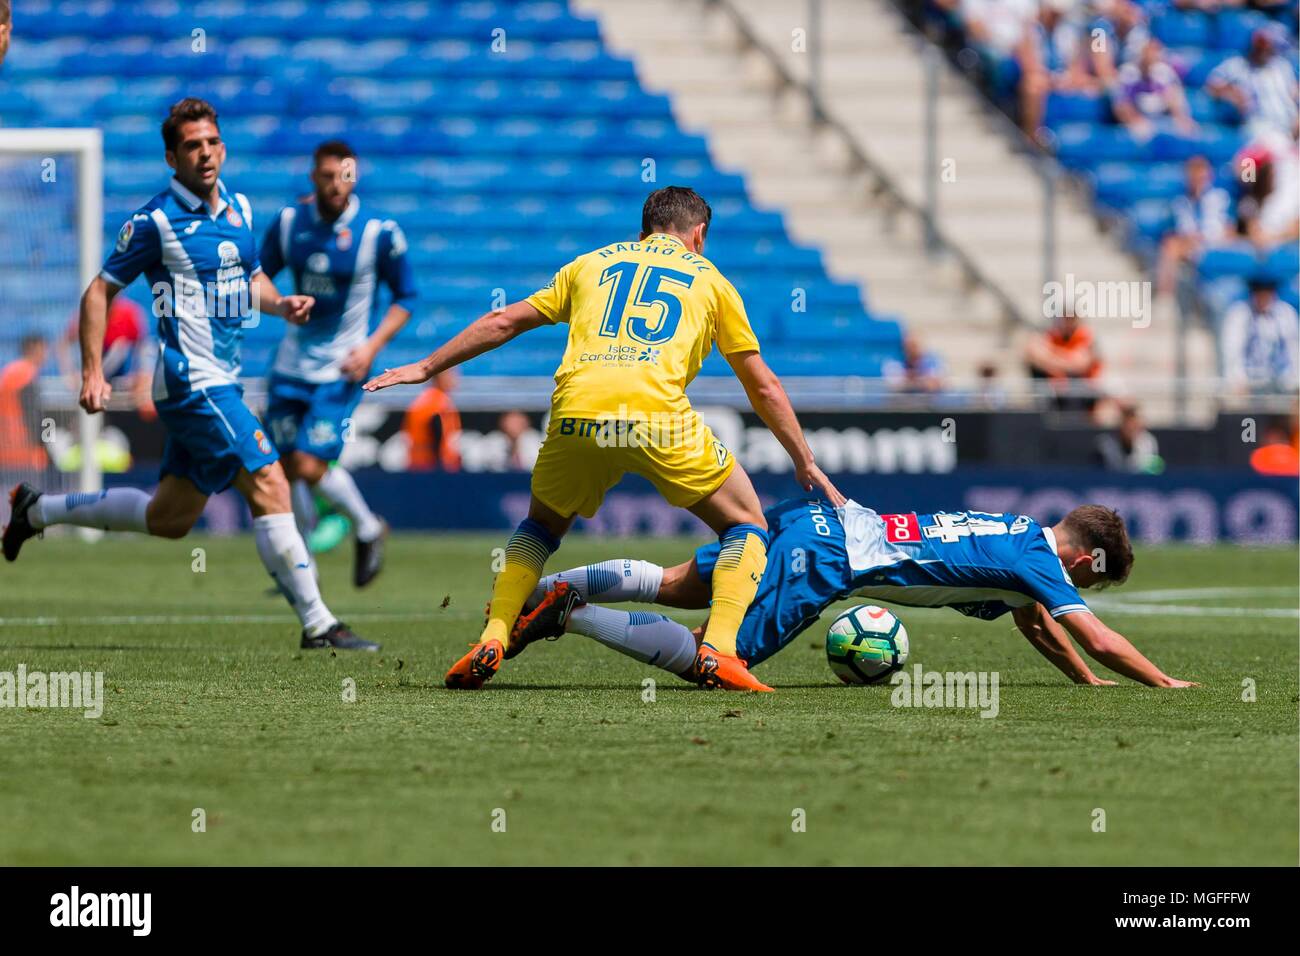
(124, 235)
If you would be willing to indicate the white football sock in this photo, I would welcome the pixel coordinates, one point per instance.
(284, 554)
(612, 582)
(117, 509)
(304, 516)
(341, 491)
(648, 637)
(304, 507)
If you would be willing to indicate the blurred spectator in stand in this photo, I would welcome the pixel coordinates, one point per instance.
(6, 28)
(1130, 448)
(996, 30)
(1269, 210)
(1262, 85)
(1202, 217)
(1259, 342)
(918, 371)
(988, 390)
(1147, 96)
(1066, 357)
(1050, 57)
(1115, 36)
(21, 449)
(432, 427)
(1279, 449)
(514, 425)
(127, 354)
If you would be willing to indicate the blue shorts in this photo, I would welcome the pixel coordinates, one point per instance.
(311, 417)
(211, 434)
(807, 571)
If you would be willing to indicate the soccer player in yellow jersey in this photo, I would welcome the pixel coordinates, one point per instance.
(642, 317)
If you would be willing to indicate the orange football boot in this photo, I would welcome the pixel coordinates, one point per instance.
(546, 620)
(712, 670)
(476, 667)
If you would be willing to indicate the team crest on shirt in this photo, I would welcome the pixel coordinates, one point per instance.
(343, 239)
(322, 433)
(263, 444)
(234, 218)
(124, 235)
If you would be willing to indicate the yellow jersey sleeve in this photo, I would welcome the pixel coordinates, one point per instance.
(734, 331)
(555, 299)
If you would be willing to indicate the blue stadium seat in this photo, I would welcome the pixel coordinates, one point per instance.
(1237, 260)
(1232, 29)
(1175, 28)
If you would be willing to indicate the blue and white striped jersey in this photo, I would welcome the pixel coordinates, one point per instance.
(980, 564)
(341, 263)
(198, 265)
(1270, 88)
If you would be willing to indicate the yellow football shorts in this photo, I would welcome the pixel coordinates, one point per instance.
(582, 458)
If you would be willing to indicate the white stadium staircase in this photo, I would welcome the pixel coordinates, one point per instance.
(872, 75)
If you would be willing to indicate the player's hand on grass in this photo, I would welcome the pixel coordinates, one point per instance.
(356, 366)
(1098, 682)
(812, 478)
(412, 374)
(1175, 682)
(95, 392)
(296, 308)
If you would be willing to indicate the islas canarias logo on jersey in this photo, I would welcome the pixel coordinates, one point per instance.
(623, 355)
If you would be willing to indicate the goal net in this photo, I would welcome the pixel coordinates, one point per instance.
(51, 223)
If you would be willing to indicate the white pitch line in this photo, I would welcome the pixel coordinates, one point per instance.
(46, 621)
(1135, 602)
(1174, 610)
(1179, 594)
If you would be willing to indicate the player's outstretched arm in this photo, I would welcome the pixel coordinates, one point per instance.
(482, 335)
(768, 398)
(95, 390)
(1115, 651)
(356, 365)
(291, 308)
(1050, 640)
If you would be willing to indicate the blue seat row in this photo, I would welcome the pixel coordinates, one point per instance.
(313, 60)
(558, 181)
(346, 19)
(1086, 146)
(1079, 107)
(355, 97)
(1227, 30)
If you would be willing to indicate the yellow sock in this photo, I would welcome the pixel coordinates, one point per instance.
(526, 554)
(736, 575)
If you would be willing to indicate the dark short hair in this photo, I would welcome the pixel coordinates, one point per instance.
(32, 339)
(335, 148)
(1098, 529)
(676, 208)
(5, 13)
(185, 111)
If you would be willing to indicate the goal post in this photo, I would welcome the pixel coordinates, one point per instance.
(31, 161)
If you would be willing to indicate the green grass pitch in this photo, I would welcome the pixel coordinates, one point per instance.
(211, 705)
